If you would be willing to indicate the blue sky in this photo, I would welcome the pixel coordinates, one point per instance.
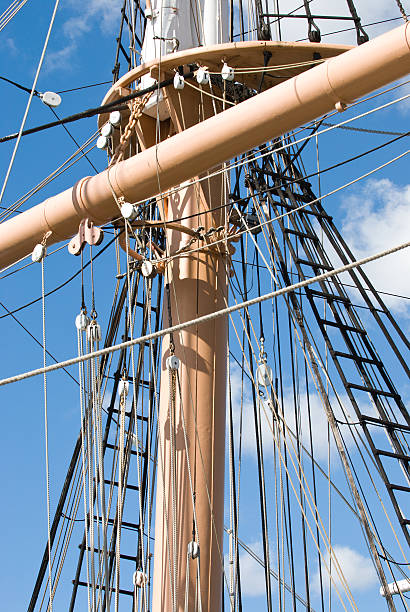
(373, 215)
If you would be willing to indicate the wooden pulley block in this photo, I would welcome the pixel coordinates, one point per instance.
(87, 233)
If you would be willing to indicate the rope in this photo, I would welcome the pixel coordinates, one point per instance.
(206, 318)
(83, 455)
(136, 111)
(30, 99)
(172, 426)
(119, 498)
(10, 12)
(402, 11)
(46, 436)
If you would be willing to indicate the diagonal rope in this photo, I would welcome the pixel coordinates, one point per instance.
(30, 99)
(207, 317)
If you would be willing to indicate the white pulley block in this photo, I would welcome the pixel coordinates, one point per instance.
(227, 73)
(38, 253)
(82, 321)
(51, 99)
(115, 118)
(129, 211)
(179, 81)
(94, 332)
(172, 362)
(106, 130)
(123, 387)
(202, 76)
(264, 375)
(148, 269)
(139, 578)
(102, 142)
(193, 550)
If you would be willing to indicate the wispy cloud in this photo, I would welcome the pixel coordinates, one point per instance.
(103, 15)
(311, 409)
(378, 217)
(358, 571)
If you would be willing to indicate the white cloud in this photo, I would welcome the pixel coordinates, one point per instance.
(318, 418)
(378, 217)
(84, 16)
(358, 571)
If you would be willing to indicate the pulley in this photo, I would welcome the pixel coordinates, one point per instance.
(102, 142)
(148, 269)
(123, 387)
(82, 321)
(115, 118)
(106, 129)
(94, 332)
(38, 253)
(193, 550)
(172, 362)
(264, 374)
(202, 76)
(179, 81)
(49, 98)
(129, 211)
(227, 72)
(139, 578)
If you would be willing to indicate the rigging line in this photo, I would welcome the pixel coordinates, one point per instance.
(74, 140)
(11, 312)
(35, 92)
(286, 214)
(304, 177)
(305, 487)
(365, 25)
(402, 11)
(207, 317)
(46, 435)
(30, 99)
(14, 208)
(99, 110)
(83, 87)
(272, 572)
(404, 297)
(364, 130)
(10, 12)
(38, 342)
(284, 147)
(311, 457)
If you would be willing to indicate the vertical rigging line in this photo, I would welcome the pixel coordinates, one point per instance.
(46, 436)
(33, 89)
(134, 407)
(81, 378)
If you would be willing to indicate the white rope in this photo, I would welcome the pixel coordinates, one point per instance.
(50, 607)
(205, 318)
(11, 12)
(33, 88)
(83, 412)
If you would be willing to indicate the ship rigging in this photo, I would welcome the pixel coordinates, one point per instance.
(237, 380)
